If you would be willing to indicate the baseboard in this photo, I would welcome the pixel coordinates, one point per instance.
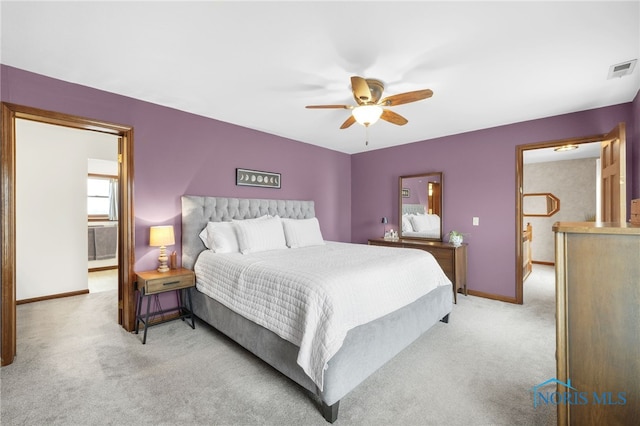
(492, 296)
(499, 297)
(52, 296)
(539, 262)
(103, 268)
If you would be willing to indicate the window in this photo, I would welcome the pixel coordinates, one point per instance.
(98, 200)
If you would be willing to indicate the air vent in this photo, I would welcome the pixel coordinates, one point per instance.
(620, 70)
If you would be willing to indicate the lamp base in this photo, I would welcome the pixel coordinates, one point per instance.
(163, 258)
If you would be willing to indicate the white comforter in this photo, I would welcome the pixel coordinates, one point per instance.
(313, 296)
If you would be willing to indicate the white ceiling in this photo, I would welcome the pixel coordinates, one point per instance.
(544, 155)
(257, 64)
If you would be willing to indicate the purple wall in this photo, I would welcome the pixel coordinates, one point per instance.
(479, 180)
(178, 153)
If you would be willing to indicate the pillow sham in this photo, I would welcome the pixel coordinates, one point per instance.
(302, 232)
(422, 223)
(406, 223)
(262, 234)
(220, 237)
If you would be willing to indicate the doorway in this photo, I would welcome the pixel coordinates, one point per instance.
(63, 211)
(617, 135)
(126, 305)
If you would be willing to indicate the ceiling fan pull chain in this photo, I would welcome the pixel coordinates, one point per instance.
(366, 141)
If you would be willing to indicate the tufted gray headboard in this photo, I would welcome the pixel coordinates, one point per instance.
(197, 211)
(413, 208)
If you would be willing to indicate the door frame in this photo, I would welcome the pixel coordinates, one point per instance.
(519, 192)
(126, 255)
(614, 197)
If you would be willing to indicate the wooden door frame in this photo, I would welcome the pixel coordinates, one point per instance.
(620, 209)
(519, 192)
(126, 256)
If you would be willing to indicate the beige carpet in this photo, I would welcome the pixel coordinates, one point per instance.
(76, 366)
(103, 280)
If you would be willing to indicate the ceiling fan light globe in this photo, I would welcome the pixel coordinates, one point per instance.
(367, 114)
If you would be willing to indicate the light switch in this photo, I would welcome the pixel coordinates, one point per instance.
(476, 221)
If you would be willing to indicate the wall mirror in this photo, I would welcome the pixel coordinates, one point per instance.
(540, 204)
(420, 206)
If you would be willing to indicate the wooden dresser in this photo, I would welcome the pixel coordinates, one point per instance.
(598, 322)
(452, 259)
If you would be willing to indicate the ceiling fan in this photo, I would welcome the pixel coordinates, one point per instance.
(367, 93)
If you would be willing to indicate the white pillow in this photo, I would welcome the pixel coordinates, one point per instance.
(435, 221)
(255, 235)
(421, 223)
(220, 237)
(426, 223)
(302, 232)
(406, 223)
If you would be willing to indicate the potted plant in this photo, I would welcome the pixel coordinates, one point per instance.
(456, 238)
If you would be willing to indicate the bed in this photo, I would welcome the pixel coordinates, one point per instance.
(418, 224)
(355, 345)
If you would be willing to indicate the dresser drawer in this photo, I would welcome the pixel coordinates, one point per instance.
(444, 258)
(166, 284)
(154, 282)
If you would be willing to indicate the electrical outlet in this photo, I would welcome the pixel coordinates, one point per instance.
(476, 221)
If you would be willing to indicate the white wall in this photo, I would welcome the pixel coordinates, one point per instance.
(51, 206)
(574, 183)
(100, 166)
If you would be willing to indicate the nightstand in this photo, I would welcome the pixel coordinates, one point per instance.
(151, 283)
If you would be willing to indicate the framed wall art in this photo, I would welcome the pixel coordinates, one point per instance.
(245, 177)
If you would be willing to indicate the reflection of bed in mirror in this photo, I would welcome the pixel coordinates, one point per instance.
(418, 224)
(420, 206)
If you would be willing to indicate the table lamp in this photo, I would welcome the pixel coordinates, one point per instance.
(384, 222)
(162, 236)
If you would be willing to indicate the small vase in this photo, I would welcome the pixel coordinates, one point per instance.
(456, 240)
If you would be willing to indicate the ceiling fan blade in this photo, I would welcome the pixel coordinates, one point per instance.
(329, 106)
(405, 98)
(348, 122)
(360, 90)
(392, 117)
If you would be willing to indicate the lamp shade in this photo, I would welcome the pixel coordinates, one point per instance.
(367, 114)
(161, 236)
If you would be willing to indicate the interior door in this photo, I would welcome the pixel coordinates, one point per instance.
(613, 180)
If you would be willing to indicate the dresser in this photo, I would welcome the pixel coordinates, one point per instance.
(452, 259)
(598, 322)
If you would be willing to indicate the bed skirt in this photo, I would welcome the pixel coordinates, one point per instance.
(365, 349)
